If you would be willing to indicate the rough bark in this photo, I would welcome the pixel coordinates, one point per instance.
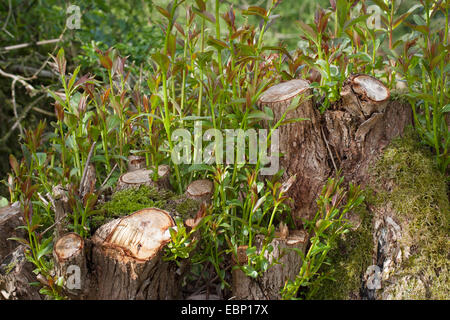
(16, 274)
(136, 163)
(136, 178)
(60, 205)
(268, 286)
(304, 151)
(10, 218)
(127, 255)
(70, 257)
(123, 260)
(349, 136)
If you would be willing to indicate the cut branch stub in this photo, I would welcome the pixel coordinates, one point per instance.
(269, 284)
(136, 163)
(70, 258)
(303, 150)
(127, 255)
(283, 92)
(142, 234)
(364, 95)
(140, 177)
(200, 190)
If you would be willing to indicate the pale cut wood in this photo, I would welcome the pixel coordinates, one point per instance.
(142, 234)
(363, 95)
(268, 286)
(200, 190)
(284, 92)
(140, 177)
(127, 257)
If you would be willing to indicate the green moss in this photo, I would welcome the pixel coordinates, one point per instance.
(134, 199)
(406, 179)
(348, 262)
(131, 200)
(418, 192)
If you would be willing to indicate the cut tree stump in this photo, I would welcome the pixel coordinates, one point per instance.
(122, 261)
(69, 255)
(304, 151)
(127, 257)
(200, 190)
(349, 136)
(16, 274)
(269, 285)
(136, 163)
(11, 217)
(137, 178)
(59, 201)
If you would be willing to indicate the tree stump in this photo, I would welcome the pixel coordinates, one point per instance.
(304, 151)
(136, 163)
(60, 205)
(362, 124)
(349, 136)
(200, 190)
(11, 217)
(16, 274)
(127, 258)
(137, 178)
(269, 285)
(69, 255)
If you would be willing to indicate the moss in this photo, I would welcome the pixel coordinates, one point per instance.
(418, 193)
(406, 179)
(348, 262)
(133, 199)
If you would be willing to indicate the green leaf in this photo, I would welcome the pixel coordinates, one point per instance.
(446, 108)
(382, 5)
(308, 31)
(218, 44)
(3, 202)
(74, 77)
(256, 11)
(404, 16)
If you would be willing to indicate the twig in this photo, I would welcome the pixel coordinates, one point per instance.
(47, 113)
(29, 44)
(13, 100)
(7, 19)
(20, 79)
(86, 166)
(53, 225)
(22, 116)
(329, 150)
(109, 176)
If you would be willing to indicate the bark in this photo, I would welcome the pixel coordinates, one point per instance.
(349, 136)
(136, 163)
(16, 274)
(137, 178)
(10, 218)
(304, 151)
(70, 256)
(200, 190)
(268, 286)
(60, 205)
(123, 260)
